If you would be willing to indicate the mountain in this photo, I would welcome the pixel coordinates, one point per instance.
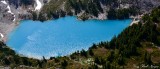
(138, 46)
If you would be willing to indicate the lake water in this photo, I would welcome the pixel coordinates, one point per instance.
(62, 36)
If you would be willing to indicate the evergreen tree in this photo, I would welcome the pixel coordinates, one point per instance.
(97, 60)
(83, 53)
(147, 58)
(111, 56)
(6, 61)
(91, 52)
(27, 2)
(41, 17)
(121, 60)
(34, 15)
(107, 65)
(64, 64)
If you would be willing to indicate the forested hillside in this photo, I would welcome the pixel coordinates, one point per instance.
(137, 46)
(87, 9)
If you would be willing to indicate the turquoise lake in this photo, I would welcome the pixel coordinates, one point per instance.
(62, 36)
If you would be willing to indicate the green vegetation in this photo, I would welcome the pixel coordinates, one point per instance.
(122, 13)
(10, 58)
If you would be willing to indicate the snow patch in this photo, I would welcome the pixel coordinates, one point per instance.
(1, 35)
(9, 10)
(4, 2)
(14, 18)
(39, 5)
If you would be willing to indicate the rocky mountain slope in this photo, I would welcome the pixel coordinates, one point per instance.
(95, 9)
(12, 11)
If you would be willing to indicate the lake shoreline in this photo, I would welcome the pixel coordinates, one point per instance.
(35, 29)
(17, 22)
